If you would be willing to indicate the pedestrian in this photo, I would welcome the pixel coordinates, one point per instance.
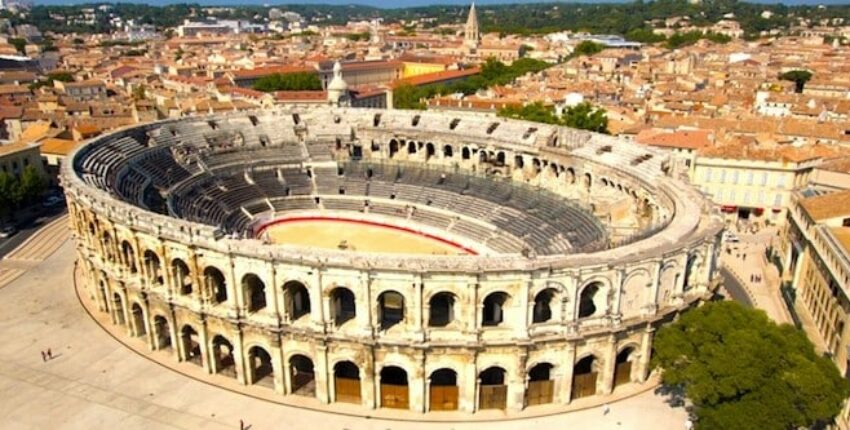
(49, 354)
(688, 424)
(43, 356)
(744, 256)
(606, 409)
(241, 424)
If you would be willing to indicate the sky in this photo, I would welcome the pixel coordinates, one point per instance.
(397, 3)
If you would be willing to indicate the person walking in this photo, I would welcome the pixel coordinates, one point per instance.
(49, 354)
(43, 356)
(606, 409)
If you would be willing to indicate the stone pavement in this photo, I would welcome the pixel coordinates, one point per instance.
(95, 382)
(747, 259)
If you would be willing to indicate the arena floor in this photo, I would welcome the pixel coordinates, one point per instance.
(359, 236)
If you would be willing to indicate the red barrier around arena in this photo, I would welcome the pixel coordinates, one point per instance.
(454, 244)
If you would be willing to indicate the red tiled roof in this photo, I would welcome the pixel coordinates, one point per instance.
(436, 77)
(270, 70)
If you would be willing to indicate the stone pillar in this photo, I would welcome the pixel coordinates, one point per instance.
(468, 385)
(417, 386)
(642, 371)
(239, 357)
(567, 363)
(516, 384)
(207, 361)
(652, 307)
(278, 369)
(369, 390)
(287, 373)
(321, 374)
(605, 383)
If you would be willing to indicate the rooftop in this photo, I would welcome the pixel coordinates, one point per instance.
(827, 206)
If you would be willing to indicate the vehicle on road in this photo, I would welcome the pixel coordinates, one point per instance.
(730, 237)
(7, 231)
(52, 201)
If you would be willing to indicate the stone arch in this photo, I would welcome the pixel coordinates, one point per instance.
(394, 387)
(393, 148)
(519, 161)
(624, 366)
(224, 358)
(495, 304)
(585, 374)
(441, 309)
(191, 344)
(542, 309)
(118, 309)
(541, 386)
(692, 269)
(571, 175)
(493, 388)
(254, 290)
(302, 375)
(137, 313)
(161, 332)
(129, 256)
(636, 292)
(346, 382)
(343, 305)
(411, 147)
(260, 366)
(153, 267)
(448, 151)
(465, 153)
(430, 151)
(216, 284)
(390, 309)
(443, 390)
(182, 276)
(588, 180)
(667, 283)
(591, 300)
(296, 299)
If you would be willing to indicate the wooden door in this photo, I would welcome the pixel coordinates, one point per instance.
(394, 396)
(347, 390)
(540, 392)
(623, 373)
(444, 398)
(493, 397)
(584, 385)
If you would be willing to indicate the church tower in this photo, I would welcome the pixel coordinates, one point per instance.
(471, 35)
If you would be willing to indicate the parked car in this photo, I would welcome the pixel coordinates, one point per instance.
(730, 237)
(52, 201)
(7, 231)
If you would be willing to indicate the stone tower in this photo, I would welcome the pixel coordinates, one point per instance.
(471, 35)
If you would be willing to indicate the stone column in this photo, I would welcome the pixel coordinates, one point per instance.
(567, 363)
(207, 361)
(652, 307)
(642, 371)
(239, 357)
(321, 374)
(278, 368)
(605, 383)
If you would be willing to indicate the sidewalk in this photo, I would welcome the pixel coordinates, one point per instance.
(747, 261)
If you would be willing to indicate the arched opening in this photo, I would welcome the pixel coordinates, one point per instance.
(191, 344)
(118, 309)
(216, 285)
(500, 158)
(464, 153)
(448, 151)
(411, 147)
(588, 306)
(394, 391)
(493, 392)
(588, 180)
(108, 247)
(441, 310)
(347, 382)
(343, 306)
(222, 352)
(443, 392)
(393, 147)
(297, 300)
(260, 365)
(161, 332)
(585, 373)
(430, 151)
(541, 388)
(542, 310)
(390, 309)
(494, 309)
(623, 367)
(182, 276)
(302, 375)
(691, 272)
(519, 162)
(255, 292)
(129, 256)
(138, 320)
(571, 175)
(482, 156)
(152, 266)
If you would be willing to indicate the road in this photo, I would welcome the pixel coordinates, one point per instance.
(734, 287)
(27, 230)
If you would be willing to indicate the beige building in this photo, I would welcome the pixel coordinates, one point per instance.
(16, 157)
(753, 184)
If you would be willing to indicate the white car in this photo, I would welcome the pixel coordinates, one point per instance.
(730, 237)
(7, 231)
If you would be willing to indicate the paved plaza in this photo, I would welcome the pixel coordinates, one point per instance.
(96, 382)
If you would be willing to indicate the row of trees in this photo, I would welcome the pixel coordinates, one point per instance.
(299, 81)
(493, 72)
(742, 371)
(21, 191)
(583, 116)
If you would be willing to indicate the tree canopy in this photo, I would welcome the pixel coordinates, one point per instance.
(799, 77)
(587, 47)
(17, 191)
(582, 116)
(743, 371)
(299, 81)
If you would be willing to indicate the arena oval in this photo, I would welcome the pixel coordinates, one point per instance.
(418, 333)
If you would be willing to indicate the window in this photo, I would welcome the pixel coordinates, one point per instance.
(721, 176)
(780, 181)
(732, 196)
(761, 197)
(777, 200)
(750, 178)
(734, 176)
(764, 178)
(707, 175)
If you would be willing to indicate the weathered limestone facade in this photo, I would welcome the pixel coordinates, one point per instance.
(420, 333)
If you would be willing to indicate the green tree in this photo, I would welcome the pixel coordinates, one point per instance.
(20, 44)
(536, 112)
(585, 116)
(299, 81)
(139, 92)
(587, 47)
(644, 35)
(31, 184)
(799, 77)
(743, 371)
(9, 195)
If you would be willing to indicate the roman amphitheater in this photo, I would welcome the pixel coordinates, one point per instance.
(421, 261)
